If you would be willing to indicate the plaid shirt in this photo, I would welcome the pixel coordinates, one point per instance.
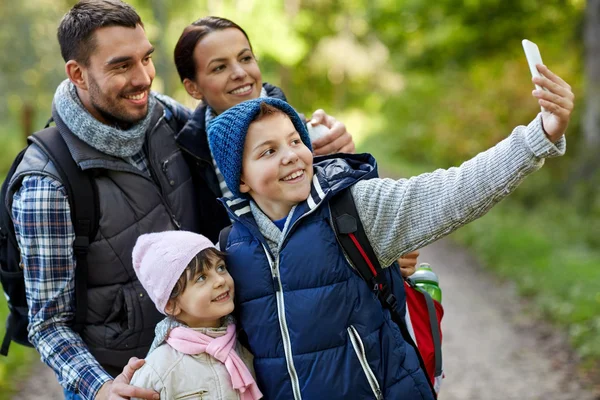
(45, 234)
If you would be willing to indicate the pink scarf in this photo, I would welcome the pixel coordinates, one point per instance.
(189, 341)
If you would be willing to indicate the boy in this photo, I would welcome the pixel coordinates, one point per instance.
(316, 330)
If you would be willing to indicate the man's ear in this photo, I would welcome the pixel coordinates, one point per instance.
(172, 308)
(76, 74)
(192, 88)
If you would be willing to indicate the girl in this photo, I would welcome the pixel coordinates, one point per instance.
(186, 278)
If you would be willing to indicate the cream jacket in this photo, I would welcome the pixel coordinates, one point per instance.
(180, 376)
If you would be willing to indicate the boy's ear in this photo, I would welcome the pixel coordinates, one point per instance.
(244, 188)
(192, 88)
(172, 308)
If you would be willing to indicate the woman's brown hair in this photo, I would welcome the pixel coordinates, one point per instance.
(191, 36)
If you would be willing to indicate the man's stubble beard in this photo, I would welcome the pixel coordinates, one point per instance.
(112, 113)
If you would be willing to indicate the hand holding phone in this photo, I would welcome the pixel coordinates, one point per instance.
(557, 97)
(532, 52)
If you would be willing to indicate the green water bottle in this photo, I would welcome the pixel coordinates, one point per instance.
(425, 279)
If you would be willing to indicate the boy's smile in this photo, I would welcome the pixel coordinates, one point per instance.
(277, 167)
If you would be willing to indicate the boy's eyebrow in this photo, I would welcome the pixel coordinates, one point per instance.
(224, 59)
(292, 133)
(118, 60)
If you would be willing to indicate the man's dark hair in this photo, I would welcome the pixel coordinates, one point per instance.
(77, 27)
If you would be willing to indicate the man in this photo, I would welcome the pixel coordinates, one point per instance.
(114, 125)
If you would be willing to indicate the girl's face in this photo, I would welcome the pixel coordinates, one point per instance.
(207, 298)
(226, 70)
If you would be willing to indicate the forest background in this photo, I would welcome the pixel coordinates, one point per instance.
(421, 84)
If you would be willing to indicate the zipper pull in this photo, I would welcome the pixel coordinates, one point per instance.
(276, 283)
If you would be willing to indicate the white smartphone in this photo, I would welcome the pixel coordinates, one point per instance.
(532, 52)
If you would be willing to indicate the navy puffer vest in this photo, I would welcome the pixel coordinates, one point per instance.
(315, 328)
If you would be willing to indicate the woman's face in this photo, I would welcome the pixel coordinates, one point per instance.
(226, 70)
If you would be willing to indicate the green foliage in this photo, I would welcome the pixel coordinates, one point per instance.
(9, 147)
(15, 368)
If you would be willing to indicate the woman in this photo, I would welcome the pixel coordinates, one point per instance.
(216, 64)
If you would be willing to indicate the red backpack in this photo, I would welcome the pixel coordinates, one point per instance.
(420, 326)
(423, 318)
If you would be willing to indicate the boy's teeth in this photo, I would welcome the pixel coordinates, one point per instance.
(241, 90)
(293, 175)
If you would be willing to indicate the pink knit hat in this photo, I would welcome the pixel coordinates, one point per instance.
(159, 259)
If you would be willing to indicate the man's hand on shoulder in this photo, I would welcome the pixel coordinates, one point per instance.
(338, 140)
(120, 388)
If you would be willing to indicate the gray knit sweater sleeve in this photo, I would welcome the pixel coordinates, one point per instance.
(404, 215)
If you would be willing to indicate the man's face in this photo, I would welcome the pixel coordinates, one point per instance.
(118, 76)
(277, 166)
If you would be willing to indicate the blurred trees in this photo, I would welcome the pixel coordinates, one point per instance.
(31, 65)
(433, 82)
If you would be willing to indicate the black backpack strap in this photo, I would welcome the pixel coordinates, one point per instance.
(82, 196)
(224, 236)
(242, 336)
(351, 235)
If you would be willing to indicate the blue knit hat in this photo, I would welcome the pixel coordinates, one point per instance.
(227, 134)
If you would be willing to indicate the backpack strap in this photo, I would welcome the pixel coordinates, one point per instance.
(242, 336)
(81, 192)
(435, 333)
(224, 236)
(351, 236)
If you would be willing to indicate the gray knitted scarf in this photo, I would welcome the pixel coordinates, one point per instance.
(107, 139)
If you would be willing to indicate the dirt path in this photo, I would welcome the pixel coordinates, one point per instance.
(492, 350)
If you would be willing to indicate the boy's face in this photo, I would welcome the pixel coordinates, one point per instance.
(276, 166)
(206, 299)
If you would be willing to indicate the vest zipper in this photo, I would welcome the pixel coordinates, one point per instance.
(287, 343)
(359, 349)
(152, 173)
(287, 233)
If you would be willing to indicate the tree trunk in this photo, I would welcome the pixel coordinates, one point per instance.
(591, 121)
(27, 117)
(587, 167)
